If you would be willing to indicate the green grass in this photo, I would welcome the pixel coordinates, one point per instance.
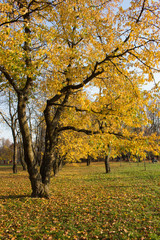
(85, 203)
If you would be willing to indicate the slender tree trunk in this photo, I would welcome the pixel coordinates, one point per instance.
(56, 164)
(61, 162)
(88, 160)
(38, 189)
(107, 165)
(145, 168)
(55, 167)
(21, 158)
(21, 155)
(15, 155)
(50, 143)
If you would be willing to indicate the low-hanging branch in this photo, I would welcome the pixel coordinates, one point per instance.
(89, 132)
(86, 110)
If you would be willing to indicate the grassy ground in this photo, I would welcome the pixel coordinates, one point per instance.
(86, 203)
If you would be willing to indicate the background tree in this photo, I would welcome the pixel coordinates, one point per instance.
(6, 151)
(11, 121)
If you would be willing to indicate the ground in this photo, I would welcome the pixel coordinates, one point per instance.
(85, 203)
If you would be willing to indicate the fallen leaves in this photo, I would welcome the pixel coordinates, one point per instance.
(85, 205)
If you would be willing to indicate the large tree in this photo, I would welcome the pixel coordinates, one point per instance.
(64, 48)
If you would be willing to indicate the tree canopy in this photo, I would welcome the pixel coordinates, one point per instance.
(61, 50)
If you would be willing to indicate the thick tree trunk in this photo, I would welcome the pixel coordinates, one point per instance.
(39, 144)
(52, 121)
(49, 157)
(38, 188)
(46, 167)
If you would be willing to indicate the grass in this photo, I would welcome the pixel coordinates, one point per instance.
(86, 203)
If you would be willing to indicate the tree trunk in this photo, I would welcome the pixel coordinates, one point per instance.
(21, 156)
(15, 154)
(52, 121)
(38, 188)
(49, 156)
(88, 160)
(56, 164)
(107, 165)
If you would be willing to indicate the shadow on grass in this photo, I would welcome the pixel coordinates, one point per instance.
(15, 196)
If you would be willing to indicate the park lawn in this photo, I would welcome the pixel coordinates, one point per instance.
(85, 203)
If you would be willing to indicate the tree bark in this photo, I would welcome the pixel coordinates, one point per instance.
(21, 154)
(107, 165)
(52, 121)
(15, 155)
(50, 143)
(88, 160)
(38, 188)
(22, 160)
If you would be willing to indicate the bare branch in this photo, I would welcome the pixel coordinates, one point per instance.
(5, 119)
(138, 19)
(131, 53)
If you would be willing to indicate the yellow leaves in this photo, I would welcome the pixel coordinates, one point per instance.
(23, 10)
(65, 49)
(5, 7)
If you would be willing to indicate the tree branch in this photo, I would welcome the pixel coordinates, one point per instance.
(75, 87)
(88, 132)
(134, 55)
(6, 121)
(38, 8)
(9, 78)
(138, 19)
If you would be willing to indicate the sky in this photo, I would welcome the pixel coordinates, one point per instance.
(5, 131)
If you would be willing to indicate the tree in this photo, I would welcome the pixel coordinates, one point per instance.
(11, 121)
(64, 48)
(6, 151)
(152, 129)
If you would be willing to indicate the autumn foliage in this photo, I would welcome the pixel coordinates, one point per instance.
(56, 52)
